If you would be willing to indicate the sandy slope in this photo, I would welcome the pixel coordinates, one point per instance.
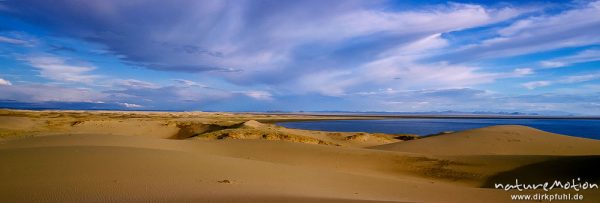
(499, 140)
(79, 168)
(120, 168)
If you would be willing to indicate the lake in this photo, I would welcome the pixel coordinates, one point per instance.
(588, 128)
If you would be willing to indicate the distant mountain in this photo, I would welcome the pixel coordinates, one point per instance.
(448, 112)
(12, 104)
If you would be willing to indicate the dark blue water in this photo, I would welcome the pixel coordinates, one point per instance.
(587, 128)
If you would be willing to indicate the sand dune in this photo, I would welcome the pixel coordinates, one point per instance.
(499, 140)
(133, 168)
(119, 168)
(255, 130)
(215, 157)
(186, 125)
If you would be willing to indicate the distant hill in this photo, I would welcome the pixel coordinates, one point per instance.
(448, 112)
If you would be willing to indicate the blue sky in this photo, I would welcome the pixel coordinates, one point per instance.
(406, 56)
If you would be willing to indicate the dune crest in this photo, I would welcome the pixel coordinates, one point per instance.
(255, 130)
(498, 140)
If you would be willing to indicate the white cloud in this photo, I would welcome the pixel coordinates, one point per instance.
(326, 82)
(523, 71)
(401, 68)
(189, 83)
(56, 68)
(9, 40)
(571, 28)
(259, 95)
(446, 18)
(128, 105)
(421, 46)
(397, 73)
(552, 64)
(44, 93)
(536, 84)
(135, 84)
(580, 78)
(581, 57)
(563, 80)
(403, 71)
(259, 40)
(4, 82)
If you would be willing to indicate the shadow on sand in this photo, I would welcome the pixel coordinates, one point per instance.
(564, 169)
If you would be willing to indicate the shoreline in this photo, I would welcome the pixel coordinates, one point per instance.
(346, 116)
(382, 116)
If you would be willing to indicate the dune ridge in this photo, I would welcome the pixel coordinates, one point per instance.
(498, 140)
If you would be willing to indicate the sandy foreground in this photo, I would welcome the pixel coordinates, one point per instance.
(108, 156)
